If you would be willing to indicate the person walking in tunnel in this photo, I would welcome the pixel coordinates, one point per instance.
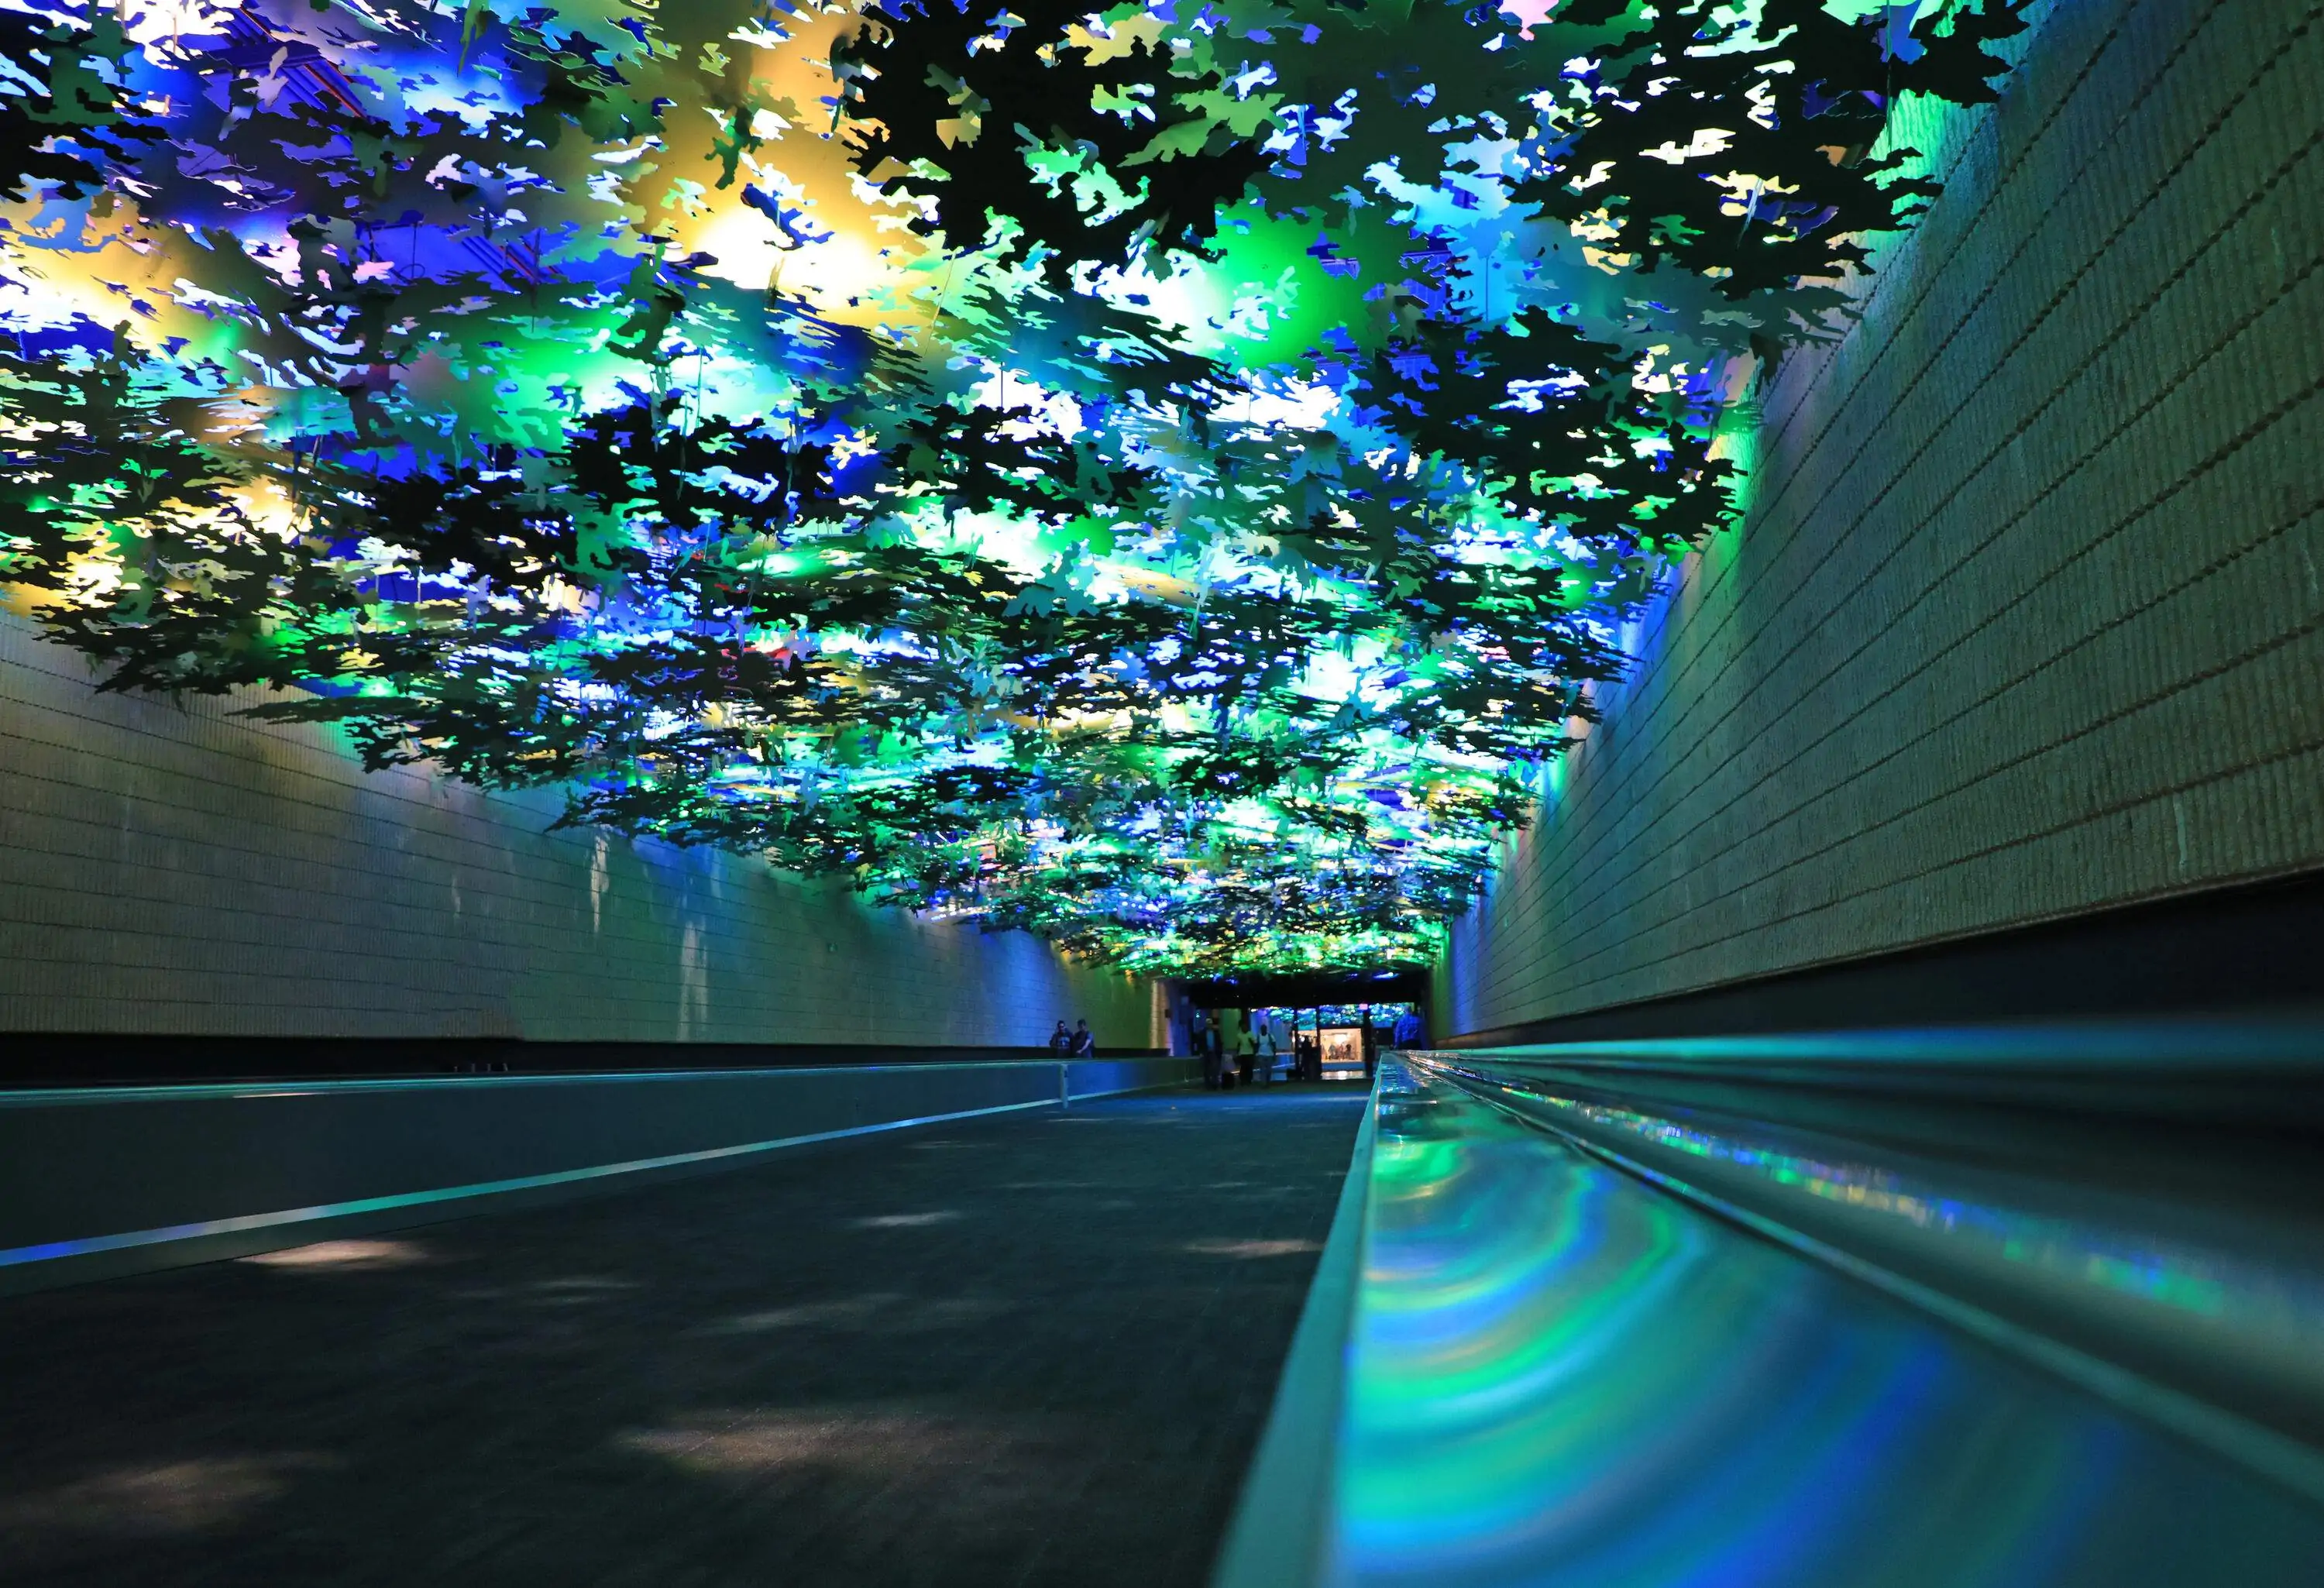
(1246, 1049)
(1207, 1043)
(1085, 1040)
(1061, 1041)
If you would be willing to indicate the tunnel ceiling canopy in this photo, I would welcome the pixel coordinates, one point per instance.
(1166, 478)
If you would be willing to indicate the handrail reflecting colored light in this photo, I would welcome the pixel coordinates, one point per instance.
(1573, 1358)
(2194, 1297)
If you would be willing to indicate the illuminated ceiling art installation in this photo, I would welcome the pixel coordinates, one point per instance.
(1164, 478)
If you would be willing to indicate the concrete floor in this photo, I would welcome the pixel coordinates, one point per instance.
(1032, 1350)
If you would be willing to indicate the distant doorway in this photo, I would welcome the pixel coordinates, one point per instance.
(1343, 1053)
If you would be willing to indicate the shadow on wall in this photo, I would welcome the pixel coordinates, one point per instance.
(177, 869)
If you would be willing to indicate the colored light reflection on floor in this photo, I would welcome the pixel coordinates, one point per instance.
(1560, 1376)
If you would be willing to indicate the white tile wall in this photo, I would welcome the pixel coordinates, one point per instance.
(2027, 615)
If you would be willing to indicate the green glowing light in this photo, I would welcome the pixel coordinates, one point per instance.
(1166, 483)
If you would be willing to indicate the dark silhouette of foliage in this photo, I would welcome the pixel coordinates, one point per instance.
(1160, 481)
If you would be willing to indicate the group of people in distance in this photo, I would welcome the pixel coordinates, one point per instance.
(1249, 1053)
(1236, 1049)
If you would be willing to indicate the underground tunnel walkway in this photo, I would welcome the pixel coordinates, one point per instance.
(1034, 1349)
